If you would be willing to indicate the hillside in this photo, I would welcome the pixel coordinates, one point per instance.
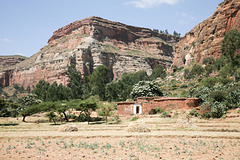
(89, 43)
(205, 39)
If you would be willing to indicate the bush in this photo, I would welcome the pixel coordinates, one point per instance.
(219, 96)
(205, 110)
(164, 114)
(218, 109)
(213, 109)
(146, 89)
(159, 110)
(194, 112)
(134, 118)
(209, 82)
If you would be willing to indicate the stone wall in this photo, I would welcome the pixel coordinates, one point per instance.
(149, 103)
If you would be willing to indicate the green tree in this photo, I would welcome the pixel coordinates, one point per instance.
(51, 116)
(98, 80)
(52, 93)
(106, 109)
(28, 104)
(41, 90)
(146, 89)
(231, 43)
(8, 108)
(75, 82)
(158, 71)
(120, 90)
(86, 109)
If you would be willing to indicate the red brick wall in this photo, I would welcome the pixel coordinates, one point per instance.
(124, 109)
(166, 103)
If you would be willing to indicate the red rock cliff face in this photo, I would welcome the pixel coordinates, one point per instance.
(7, 61)
(205, 39)
(92, 42)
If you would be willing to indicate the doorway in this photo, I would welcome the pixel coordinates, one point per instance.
(137, 110)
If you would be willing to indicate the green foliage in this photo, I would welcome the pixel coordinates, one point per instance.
(176, 34)
(53, 92)
(195, 71)
(208, 60)
(51, 116)
(8, 108)
(98, 80)
(156, 30)
(209, 82)
(231, 42)
(233, 96)
(218, 109)
(29, 106)
(41, 90)
(219, 96)
(159, 110)
(158, 71)
(106, 109)
(134, 118)
(28, 100)
(120, 90)
(146, 89)
(85, 108)
(217, 99)
(194, 112)
(75, 83)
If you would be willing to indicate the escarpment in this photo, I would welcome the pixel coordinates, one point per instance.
(205, 39)
(89, 43)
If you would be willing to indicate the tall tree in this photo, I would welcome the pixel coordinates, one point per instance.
(231, 43)
(86, 109)
(98, 80)
(158, 71)
(146, 89)
(41, 90)
(75, 82)
(120, 90)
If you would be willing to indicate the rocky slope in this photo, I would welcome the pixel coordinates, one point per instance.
(205, 39)
(7, 61)
(91, 42)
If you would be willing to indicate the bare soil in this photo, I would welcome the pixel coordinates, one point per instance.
(206, 139)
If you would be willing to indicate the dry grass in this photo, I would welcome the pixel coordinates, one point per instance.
(68, 128)
(137, 127)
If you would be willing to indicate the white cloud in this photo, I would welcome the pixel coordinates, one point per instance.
(7, 40)
(150, 3)
(185, 18)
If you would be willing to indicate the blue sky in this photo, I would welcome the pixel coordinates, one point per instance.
(26, 25)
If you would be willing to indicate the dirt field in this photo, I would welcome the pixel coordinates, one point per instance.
(203, 139)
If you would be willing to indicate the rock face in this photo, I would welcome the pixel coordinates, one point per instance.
(89, 43)
(205, 39)
(7, 61)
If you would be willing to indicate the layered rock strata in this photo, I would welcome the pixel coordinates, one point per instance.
(89, 43)
(205, 39)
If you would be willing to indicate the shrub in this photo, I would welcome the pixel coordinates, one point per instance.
(164, 114)
(219, 96)
(218, 109)
(194, 112)
(205, 110)
(208, 60)
(146, 89)
(134, 118)
(183, 86)
(159, 110)
(209, 82)
(233, 98)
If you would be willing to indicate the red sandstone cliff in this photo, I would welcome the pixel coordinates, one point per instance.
(91, 42)
(205, 39)
(8, 61)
